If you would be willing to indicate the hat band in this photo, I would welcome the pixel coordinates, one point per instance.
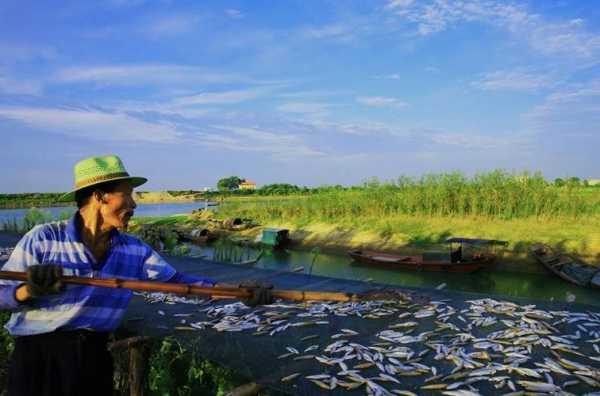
(99, 179)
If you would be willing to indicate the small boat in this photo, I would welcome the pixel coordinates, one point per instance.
(199, 236)
(456, 260)
(250, 263)
(565, 266)
(276, 237)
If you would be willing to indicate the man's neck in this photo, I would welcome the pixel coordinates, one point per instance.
(92, 230)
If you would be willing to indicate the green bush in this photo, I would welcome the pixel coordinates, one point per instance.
(7, 345)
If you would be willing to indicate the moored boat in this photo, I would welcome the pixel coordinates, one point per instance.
(566, 267)
(199, 236)
(455, 260)
(275, 237)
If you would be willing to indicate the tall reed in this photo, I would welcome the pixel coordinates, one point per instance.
(497, 194)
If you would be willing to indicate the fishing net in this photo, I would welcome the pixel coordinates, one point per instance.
(409, 340)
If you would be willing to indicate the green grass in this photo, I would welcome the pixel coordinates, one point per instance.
(496, 195)
(7, 345)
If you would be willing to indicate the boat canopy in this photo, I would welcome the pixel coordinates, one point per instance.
(479, 242)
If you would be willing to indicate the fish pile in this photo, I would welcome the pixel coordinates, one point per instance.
(487, 347)
(5, 252)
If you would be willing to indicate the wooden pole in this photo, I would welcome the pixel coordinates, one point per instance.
(222, 292)
(139, 350)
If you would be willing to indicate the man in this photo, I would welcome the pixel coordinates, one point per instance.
(61, 330)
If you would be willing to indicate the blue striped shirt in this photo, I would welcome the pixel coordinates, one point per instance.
(80, 307)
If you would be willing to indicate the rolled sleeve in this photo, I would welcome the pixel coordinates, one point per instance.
(157, 269)
(25, 254)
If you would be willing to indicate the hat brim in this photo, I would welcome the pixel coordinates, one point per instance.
(135, 181)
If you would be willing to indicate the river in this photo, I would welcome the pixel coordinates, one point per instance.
(142, 210)
(544, 287)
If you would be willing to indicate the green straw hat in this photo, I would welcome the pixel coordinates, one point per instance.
(96, 170)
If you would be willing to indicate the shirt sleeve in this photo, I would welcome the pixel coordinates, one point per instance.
(25, 254)
(155, 268)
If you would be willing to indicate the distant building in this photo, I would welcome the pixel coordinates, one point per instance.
(593, 182)
(247, 185)
(206, 189)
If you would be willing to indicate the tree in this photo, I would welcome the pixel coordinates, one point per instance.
(558, 182)
(229, 183)
(574, 181)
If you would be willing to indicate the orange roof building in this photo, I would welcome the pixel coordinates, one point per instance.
(247, 185)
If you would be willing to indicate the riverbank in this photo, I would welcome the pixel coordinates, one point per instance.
(413, 235)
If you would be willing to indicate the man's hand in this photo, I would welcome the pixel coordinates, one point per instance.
(43, 280)
(260, 293)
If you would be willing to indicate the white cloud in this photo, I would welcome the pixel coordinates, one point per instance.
(381, 101)
(19, 87)
(14, 53)
(392, 4)
(571, 112)
(515, 80)
(468, 141)
(344, 32)
(304, 108)
(91, 124)
(233, 13)
(170, 25)
(144, 74)
(227, 97)
(393, 76)
(548, 37)
(279, 145)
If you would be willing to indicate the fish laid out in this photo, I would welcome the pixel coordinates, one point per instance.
(488, 345)
(5, 252)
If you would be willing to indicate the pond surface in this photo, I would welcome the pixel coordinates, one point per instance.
(492, 283)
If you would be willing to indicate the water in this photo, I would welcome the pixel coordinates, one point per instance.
(492, 283)
(142, 210)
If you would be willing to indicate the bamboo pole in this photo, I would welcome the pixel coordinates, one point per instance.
(177, 288)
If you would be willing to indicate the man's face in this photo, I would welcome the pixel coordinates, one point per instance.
(118, 206)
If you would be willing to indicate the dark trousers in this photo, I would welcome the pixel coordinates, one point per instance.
(62, 363)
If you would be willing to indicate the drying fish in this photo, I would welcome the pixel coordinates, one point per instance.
(290, 377)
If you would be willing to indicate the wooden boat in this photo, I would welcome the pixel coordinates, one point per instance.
(250, 263)
(565, 266)
(275, 237)
(199, 236)
(452, 261)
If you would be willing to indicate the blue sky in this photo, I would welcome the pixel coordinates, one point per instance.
(303, 92)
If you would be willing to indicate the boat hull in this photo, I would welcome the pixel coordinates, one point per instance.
(418, 263)
(555, 263)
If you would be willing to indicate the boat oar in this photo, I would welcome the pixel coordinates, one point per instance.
(231, 292)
